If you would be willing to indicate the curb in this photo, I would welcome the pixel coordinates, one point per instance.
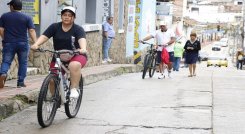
(92, 78)
(19, 102)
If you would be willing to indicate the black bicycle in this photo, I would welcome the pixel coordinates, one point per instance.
(150, 61)
(55, 91)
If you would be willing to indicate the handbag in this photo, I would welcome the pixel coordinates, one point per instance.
(165, 56)
(66, 55)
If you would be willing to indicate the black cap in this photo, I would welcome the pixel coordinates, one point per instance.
(17, 4)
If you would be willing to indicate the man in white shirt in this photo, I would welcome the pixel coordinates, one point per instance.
(164, 38)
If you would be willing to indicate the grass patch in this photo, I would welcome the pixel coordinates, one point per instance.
(1, 118)
(22, 98)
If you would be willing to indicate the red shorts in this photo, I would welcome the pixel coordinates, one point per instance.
(79, 58)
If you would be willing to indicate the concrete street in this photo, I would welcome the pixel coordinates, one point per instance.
(210, 103)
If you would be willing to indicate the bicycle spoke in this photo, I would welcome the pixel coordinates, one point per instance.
(47, 101)
(73, 105)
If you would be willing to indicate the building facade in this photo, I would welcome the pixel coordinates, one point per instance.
(145, 23)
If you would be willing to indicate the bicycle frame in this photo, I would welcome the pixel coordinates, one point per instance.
(151, 51)
(48, 102)
(151, 47)
(149, 61)
(58, 67)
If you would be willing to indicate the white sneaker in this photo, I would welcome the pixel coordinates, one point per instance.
(74, 93)
(161, 76)
(109, 60)
(104, 61)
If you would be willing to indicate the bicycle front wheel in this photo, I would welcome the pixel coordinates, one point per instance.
(146, 65)
(72, 106)
(152, 68)
(47, 101)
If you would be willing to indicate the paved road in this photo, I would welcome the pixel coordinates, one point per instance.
(211, 102)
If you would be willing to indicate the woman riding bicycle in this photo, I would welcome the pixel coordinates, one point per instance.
(62, 33)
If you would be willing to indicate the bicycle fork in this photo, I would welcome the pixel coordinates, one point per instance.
(62, 91)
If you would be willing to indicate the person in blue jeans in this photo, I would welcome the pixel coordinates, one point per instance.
(239, 58)
(13, 31)
(108, 36)
(178, 52)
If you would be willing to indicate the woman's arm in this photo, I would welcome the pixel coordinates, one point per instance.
(185, 47)
(198, 46)
(39, 42)
(83, 45)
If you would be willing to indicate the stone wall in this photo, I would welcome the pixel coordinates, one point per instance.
(42, 60)
(94, 46)
(118, 49)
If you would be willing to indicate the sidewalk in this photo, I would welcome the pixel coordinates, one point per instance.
(13, 99)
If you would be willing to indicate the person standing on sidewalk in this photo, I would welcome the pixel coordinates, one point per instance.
(239, 58)
(178, 52)
(13, 30)
(192, 48)
(62, 33)
(108, 36)
(164, 39)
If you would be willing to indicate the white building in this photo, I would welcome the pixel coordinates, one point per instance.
(210, 14)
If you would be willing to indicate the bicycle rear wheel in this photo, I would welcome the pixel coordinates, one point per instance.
(152, 68)
(72, 106)
(146, 65)
(47, 101)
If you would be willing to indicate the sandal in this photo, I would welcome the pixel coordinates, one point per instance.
(189, 75)
(194, 74)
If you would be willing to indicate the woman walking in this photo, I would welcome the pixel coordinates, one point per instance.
(239, 58)
(192, 47)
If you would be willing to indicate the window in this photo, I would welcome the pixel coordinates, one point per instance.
(93, 12)
(194, 9)
(90, 11)
(121, 14)
(239, 3)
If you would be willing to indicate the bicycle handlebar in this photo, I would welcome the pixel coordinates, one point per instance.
(58, 51)
(144, 42)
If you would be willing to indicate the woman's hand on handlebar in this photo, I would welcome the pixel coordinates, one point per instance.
(155, 46)
(141, 41)
(34, 47)
(82, 51)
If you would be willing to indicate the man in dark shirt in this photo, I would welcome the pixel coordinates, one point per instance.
(62, 33)
(13, 30)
